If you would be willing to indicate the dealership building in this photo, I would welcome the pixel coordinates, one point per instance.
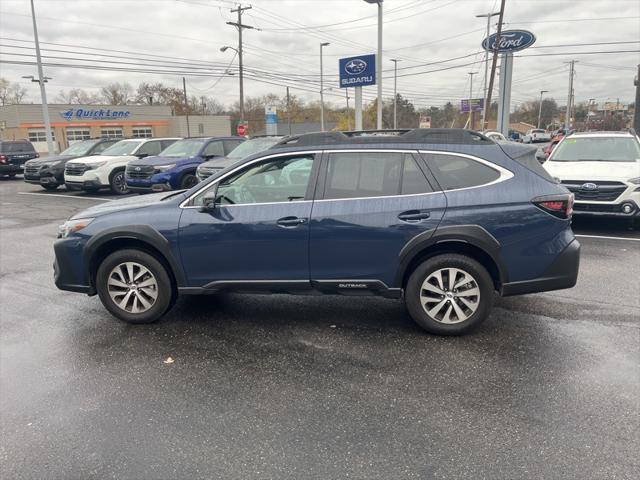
(73, 123)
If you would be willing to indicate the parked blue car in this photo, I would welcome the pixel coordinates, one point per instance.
(175, 167)
(443, 219)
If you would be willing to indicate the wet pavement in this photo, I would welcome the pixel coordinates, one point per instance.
(313, 387)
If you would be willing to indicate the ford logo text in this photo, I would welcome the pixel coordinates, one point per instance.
(510, 41)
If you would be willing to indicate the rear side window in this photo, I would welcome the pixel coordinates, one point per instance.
(229, 145)
(453, 172)
(16, 147)
(365, 174)
(214, 149)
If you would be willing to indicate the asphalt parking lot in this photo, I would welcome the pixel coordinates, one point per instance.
(313, 387)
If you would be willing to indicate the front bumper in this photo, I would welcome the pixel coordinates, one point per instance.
(9, 168)
(159, 182)
(562, 273)
(607, 209)
(45, 177)
(69, 275)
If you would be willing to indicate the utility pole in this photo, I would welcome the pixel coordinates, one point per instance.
(379, 63)
(636, 112)
(486, 67)
(395, 93)
(494, 62)
(346, 94)
(540, 107)
(288, 111)
(42, 80)
(570, 96)
(323, 44)
(471, 74)
(240, 27)
(186, 104)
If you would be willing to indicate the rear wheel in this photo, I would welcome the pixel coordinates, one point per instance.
(188, 180)
(118, 183)
(134, 286)
(449, 294)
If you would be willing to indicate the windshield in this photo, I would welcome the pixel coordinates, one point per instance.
(80, 148)
(597, 149)
(183, 148)
(252, 146)
(124, 147)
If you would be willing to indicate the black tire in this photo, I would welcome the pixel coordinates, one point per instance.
(188, 180)
(118, 183)
(414, 292)
(50, 188)
(12, 175)
(164, 290)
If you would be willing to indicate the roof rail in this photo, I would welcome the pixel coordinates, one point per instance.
(416, 135)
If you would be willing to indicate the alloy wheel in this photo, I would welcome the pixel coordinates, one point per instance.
(132, 287)
(120, 183)
(450, 295)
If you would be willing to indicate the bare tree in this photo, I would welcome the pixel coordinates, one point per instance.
(118, 93)
(78, 96)
(11, 93)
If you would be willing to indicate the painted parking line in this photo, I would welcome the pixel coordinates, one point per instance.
(609, 238)
(67, 196)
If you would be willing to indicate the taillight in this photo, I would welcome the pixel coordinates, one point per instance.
(560, 206)
(3, 159)
(37, 155)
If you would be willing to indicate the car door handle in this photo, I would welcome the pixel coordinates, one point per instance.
(414, 215)
(290, 222)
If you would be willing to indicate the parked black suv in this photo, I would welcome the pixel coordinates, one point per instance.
(48, 172)
(13, 155)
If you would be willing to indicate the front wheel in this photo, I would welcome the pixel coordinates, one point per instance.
(118, 183)
(187, 181)
(134, 286)
(449, 294)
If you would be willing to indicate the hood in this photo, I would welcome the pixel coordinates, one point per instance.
(130, 203)
(158, 160)
(49, 159)
(219, 162)
(103, 158)
(621, 171)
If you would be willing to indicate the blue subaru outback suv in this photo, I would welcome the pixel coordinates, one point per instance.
(175, 167)
(441, 218)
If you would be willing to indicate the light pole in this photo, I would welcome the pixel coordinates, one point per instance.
(42, 80)
(486, 65)
(395, 93)
(540, 107)
(379, 63)
(323, 44)
(471, 74)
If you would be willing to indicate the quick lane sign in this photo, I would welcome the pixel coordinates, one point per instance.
(357, 71)
(99, 114)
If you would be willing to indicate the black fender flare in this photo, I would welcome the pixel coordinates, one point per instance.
(143, 233)
(474, 235)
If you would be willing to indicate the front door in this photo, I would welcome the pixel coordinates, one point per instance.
(368, 207)
(259, 230)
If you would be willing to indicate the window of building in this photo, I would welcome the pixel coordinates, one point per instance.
(452, 171)
(40, 136)
(365, 174)
(77, 135)
(142, 132)
(111, 132)
(200, 129)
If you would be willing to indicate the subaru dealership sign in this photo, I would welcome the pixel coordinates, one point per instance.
(358, 71)
(510, 41)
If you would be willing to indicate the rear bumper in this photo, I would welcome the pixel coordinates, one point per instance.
(7, 168)
(563, 273)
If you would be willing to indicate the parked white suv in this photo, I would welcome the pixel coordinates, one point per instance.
(107, 169)
(602, 169)
(536, 135)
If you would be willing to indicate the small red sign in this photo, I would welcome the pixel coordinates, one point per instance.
(241, 130)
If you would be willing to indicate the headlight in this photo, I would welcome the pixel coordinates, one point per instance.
(93, 166)
(635, 181)
(164, 168)
(73, 226)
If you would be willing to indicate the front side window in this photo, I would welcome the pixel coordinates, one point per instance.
(597, 149)
(150, 148)
(80, 149)
(278, 180)
(230, 145)
(214, 149)
(371, 174)
(453, 172)
(183, 148)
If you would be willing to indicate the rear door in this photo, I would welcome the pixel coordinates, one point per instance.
(369, 205)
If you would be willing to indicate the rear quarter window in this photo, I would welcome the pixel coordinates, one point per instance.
(453, 172)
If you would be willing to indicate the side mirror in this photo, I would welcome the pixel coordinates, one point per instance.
(142, 155)
(209, 157)
(209, 202)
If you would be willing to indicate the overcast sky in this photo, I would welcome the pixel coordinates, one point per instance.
(417, 32)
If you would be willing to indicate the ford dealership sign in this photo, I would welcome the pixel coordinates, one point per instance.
(358, 71)
(510, 41)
